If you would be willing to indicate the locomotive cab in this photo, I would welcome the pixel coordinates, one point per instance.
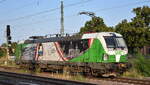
(115, 46)
(112, 46)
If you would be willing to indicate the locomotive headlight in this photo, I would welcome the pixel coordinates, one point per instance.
(105, 57)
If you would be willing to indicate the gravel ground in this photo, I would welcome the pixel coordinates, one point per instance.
(103, 82)
(90, 80)
(76, 78)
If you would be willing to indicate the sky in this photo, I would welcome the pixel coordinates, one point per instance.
(42, 17)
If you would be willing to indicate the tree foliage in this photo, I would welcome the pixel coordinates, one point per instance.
(95, 25)
(142, 18)
(134, 37)
(11, 49)
(3, 52)
(137, 32)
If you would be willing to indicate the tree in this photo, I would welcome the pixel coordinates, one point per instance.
(142, 18)
(4, 45)
(3, 52)
(95, 25)
(137, 32)
(134, 37)
(11, 48)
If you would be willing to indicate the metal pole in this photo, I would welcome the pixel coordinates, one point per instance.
(62, 19)
(7, 42)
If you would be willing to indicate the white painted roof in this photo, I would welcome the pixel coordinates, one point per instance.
(95, 35)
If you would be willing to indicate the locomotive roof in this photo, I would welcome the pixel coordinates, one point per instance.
(54, 39)
(71, 38)
(95, 35)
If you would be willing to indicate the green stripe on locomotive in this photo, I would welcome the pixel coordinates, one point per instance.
(95, 54)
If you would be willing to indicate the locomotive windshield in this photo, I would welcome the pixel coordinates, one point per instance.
(110, 42)
(114, 42)
(120, 42)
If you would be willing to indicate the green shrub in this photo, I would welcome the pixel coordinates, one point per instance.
(3, 52)
(140, 67)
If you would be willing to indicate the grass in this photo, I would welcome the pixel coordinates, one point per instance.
(77, 77)
(65, 75)
(140, 67)
(133, 73)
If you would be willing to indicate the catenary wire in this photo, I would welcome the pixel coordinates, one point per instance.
(104, 9)
(43, 12)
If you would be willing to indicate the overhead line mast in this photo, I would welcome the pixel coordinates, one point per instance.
(62, 19)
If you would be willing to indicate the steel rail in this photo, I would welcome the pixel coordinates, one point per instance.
(129, 80)
(36, 79)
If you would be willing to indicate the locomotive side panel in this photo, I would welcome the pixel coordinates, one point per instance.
(54, 51)
(93, 54)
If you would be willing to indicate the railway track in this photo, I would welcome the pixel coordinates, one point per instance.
(9, 68)
(9, 78)
(131, 81)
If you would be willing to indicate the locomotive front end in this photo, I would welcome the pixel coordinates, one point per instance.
(115, 48)
(115, 52)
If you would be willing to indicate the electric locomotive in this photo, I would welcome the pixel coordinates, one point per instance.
(100, 54)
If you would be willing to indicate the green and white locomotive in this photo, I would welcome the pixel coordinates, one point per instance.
(103, 53)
